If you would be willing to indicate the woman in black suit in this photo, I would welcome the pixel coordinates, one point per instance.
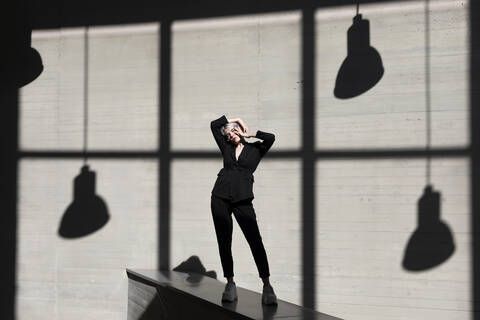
(233, 192)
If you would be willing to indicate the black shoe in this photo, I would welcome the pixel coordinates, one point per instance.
(268, 295)
(230, 292)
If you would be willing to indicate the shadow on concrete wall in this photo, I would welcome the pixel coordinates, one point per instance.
(475, 152)
(362, 68)
(8, 216)
(88, 212)
(431, 243)
(54, 14)
(20, 64)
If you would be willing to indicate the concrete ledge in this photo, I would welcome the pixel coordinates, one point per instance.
(155, 294)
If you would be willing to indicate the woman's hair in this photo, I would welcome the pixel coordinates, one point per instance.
(229, 125)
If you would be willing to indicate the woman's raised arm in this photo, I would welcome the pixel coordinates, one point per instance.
(216, 126)
(268, 139)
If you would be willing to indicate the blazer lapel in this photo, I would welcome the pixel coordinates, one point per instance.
(245, 150)
(232, 151)
(242, 154)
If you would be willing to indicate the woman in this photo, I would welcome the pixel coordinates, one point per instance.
(233, 192)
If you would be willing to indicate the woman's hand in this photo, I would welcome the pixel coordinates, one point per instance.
(243, 125)
(245, 134)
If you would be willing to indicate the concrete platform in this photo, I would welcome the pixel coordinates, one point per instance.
(154, 294)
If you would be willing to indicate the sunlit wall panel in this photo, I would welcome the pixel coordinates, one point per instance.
(245, 67)
(367, 210)
(112, 72)
(124, 87)
(51, 107)
(425, 57)
(83, 278)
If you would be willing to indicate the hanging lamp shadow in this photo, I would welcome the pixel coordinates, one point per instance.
(362, 68)
(88, 212)
(432, 242)
(20, 63)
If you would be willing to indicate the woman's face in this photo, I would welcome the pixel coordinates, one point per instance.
(232, 135)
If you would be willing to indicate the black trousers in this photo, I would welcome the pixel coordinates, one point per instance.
(247, 220)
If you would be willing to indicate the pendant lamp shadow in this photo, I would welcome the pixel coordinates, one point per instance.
(20, 64)
(362, 68)
(432, 242)
(88, 212)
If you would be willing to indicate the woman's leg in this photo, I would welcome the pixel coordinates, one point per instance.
(222, 219)
(247, 220)
(266, 281)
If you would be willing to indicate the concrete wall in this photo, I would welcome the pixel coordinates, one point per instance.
(250, 67)
(85, 278)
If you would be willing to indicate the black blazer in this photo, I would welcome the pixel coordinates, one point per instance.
(235, 179)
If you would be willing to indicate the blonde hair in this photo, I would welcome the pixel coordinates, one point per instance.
(229, 125)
